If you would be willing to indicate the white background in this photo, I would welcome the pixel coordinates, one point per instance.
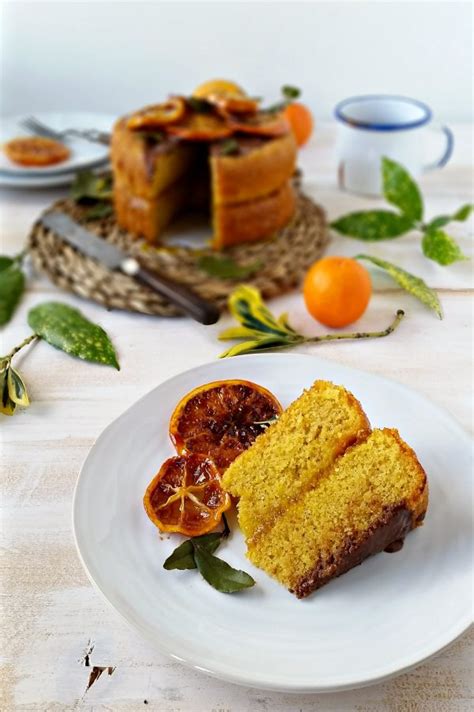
(113, 56)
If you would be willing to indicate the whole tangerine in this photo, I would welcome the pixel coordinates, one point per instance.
(337, 291)
(217, 86)
(301, 121)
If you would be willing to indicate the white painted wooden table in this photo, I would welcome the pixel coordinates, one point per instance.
(51, 610)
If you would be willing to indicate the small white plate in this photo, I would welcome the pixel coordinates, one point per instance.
(378, 620)
(84, 154)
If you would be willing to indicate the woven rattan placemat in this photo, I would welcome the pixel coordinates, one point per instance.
(284, 260)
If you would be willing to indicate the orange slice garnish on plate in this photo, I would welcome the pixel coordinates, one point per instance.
(201, 127)
(186, 496)
(36, 151)
(222, 419)
(158, 115)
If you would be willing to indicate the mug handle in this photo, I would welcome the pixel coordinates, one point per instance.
(447, 153)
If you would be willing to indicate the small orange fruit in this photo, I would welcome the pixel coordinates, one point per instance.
(301, 121)
(186, 496)
(337, 291)
(217, 86)
(222, 419)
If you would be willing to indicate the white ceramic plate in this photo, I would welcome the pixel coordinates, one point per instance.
(84, 154)
(378, 620)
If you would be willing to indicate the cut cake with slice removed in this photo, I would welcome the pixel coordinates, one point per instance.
(293, 453)
(319, 492)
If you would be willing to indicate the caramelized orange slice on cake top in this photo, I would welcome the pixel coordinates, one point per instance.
(201, 127)
(158, 115)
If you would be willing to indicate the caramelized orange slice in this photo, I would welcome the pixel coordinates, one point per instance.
(201, 127)
(36, 151)
(262, 124)
(233, 104)
(158, 115)
(222, 419)
(186, 496)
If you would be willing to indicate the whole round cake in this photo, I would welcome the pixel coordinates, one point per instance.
(216, 151)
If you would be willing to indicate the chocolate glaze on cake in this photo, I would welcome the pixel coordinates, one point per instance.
(393, 526)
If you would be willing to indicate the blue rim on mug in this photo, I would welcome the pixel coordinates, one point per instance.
(339, 113)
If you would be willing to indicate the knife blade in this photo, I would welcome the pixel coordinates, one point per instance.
(88, 243)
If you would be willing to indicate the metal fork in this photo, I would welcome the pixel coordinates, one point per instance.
(32, 124)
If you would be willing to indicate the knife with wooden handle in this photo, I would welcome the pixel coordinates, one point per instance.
(87, 242)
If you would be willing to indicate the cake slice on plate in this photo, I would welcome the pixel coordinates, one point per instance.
(320, 492)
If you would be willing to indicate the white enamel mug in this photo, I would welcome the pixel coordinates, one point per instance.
(378, 125)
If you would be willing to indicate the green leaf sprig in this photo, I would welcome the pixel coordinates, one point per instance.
(12, 285)
(94, 191)
(226, 268)
(289, 94)
(229, 147)
(66, 329)
(198, 553)
(401, 191)
(260, 330)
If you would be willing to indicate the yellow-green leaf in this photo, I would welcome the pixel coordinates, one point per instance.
(442, 248)
(266, 343)
(400, 189)
(237, 332)
(7, 406)
(412, 284)
(67, 329)
(246, 305)
(17, 388)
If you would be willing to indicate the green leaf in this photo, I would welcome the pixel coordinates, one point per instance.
(183, 556)
(226, 267)
(438, 222)
(229, 147)
(440, 247)
(290, 93)
(463, 213)
(412, 284)
(67, 329)
(98, 211)
(202, 106)
(7, 406)
(5, 262)
(17, 388)
(12, 286)
(401, 190)
(218, 573)
(88, 187)
(373, 225)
